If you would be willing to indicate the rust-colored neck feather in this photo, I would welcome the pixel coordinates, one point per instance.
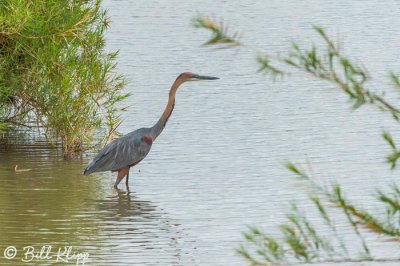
(159, 126)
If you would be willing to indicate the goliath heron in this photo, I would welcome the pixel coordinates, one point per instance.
(123, 153)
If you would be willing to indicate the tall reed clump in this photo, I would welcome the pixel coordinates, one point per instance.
(54, 71)
(300, 240)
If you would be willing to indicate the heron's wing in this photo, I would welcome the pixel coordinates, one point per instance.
(123, 151)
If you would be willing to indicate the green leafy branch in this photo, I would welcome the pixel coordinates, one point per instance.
(300, 240)
(55, 73)
(220, 33)
(325, 63)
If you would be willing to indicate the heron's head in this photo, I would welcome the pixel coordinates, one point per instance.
(187, 76)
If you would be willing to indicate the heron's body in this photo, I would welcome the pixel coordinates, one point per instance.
(130, 149)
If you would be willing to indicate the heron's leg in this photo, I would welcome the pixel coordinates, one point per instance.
(127, 176)
(121, 174)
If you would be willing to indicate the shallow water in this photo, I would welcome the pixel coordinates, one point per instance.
(218, 166)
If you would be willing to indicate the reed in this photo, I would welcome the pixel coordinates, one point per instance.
(55, 73)
(220, 32)
(299, 240)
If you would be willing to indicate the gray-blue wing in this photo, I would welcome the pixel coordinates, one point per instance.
(126, 150)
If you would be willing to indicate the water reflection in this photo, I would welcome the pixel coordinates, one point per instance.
(133, 229)
(126, 204)
(218, 166)
(53, 204)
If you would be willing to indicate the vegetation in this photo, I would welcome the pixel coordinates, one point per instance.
(300, 240)
(54, 72)
(219, 32)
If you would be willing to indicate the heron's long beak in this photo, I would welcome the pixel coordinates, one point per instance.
(204, 77)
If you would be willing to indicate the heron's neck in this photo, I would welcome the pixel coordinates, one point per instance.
(159, 126)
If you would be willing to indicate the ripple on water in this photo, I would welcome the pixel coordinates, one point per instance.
(218, 166)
